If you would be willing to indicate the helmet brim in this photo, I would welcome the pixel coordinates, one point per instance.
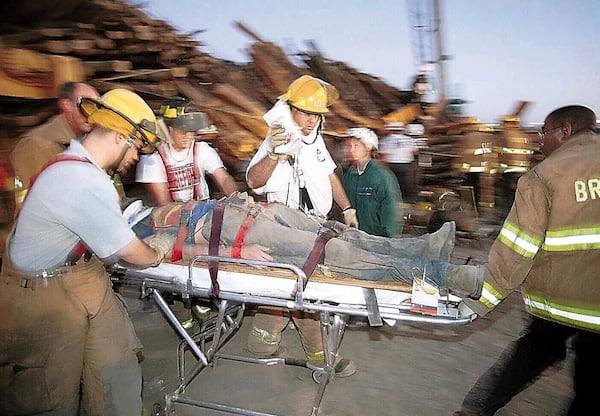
(146, 130)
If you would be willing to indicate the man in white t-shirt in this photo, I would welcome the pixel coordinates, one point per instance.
(399, 151)
(176, 172)
(68, 345)
(294, 167)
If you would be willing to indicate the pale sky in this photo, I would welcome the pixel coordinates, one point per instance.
(501, 51)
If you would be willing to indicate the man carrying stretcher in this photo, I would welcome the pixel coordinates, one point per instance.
(274, 232)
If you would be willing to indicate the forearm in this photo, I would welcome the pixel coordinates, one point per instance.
(159, 193)
(138, 254)
(225, 181)
(339, 194)
(259, 174)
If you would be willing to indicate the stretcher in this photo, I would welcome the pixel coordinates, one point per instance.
(244, 282)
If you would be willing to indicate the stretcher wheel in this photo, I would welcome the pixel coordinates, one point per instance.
(158, 410)
(318, 376)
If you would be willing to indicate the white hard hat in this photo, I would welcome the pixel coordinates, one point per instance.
(415, 129)
(395, 126)
(366, 136)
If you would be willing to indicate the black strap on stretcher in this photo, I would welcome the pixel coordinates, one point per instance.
(213, 247)
(329, 230)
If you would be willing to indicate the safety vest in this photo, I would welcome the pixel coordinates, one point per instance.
(181, 177)
(549, 245)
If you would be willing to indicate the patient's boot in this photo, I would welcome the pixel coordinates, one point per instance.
(441, 242)
(465, 280)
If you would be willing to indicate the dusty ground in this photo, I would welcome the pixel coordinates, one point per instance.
(408, 369)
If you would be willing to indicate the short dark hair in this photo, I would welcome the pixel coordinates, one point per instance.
(65, 90)
(580, 118)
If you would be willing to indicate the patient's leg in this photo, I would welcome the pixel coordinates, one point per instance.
(438, 245)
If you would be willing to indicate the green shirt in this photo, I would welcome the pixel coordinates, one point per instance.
(375, 194)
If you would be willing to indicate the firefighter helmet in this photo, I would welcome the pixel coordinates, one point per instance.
(174, 113)
(310, 94)
(125, 112)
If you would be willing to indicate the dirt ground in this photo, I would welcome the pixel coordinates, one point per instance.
(406, 369)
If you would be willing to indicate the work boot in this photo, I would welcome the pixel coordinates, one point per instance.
(344, 367)
(441, 242)
(465, 280)
(280, 352)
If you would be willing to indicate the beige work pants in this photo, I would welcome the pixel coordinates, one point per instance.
(66, 343)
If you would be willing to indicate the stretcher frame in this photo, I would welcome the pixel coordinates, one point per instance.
(230, 306)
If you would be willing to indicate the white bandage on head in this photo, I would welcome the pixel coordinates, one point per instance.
(365, 135)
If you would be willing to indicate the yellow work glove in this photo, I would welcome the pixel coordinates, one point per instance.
(277, 137)
(162, 243)
(350, 218)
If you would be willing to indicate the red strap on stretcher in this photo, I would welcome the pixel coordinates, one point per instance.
(183, 231)
(238, 243)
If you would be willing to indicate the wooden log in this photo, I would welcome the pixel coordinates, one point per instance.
(94, 67)
(57, 46)
(249, 32)
(105, 43)
(234, 96)
(55, 32)
(118, 34)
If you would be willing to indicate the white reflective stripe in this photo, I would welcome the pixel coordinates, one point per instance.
(525, 245)
(595, 320)
(489, 296)
(572, 240)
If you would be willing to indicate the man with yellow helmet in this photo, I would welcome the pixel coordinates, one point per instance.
(67, 341)
(294, 167)
(177, 171)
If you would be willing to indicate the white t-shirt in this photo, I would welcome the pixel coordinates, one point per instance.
(398, 148)
(69, 201)
(312, 166)
(151, 169)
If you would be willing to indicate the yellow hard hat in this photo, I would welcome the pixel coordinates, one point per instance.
(176, 116)
(125, 112)
(310, 94)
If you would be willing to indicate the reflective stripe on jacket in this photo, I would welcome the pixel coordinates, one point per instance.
(549, 245)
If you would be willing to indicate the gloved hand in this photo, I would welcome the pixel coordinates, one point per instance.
(350, 218)
(277, 137)
(162, 243)
(464, 311)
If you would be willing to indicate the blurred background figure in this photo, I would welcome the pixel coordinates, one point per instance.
(42, 143)
(371, 187)
(399, 151)
(176, 172)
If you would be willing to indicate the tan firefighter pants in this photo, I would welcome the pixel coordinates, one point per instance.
(67, 342)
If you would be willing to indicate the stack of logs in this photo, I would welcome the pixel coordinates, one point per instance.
(121, 46)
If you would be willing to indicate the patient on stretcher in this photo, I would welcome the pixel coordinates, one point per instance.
(275, 232)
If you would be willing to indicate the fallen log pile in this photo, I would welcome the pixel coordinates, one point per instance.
(121, 46)
(114, 44)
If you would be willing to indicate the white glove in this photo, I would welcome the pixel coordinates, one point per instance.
(350, 218)
(162, 243)
(277, 138)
